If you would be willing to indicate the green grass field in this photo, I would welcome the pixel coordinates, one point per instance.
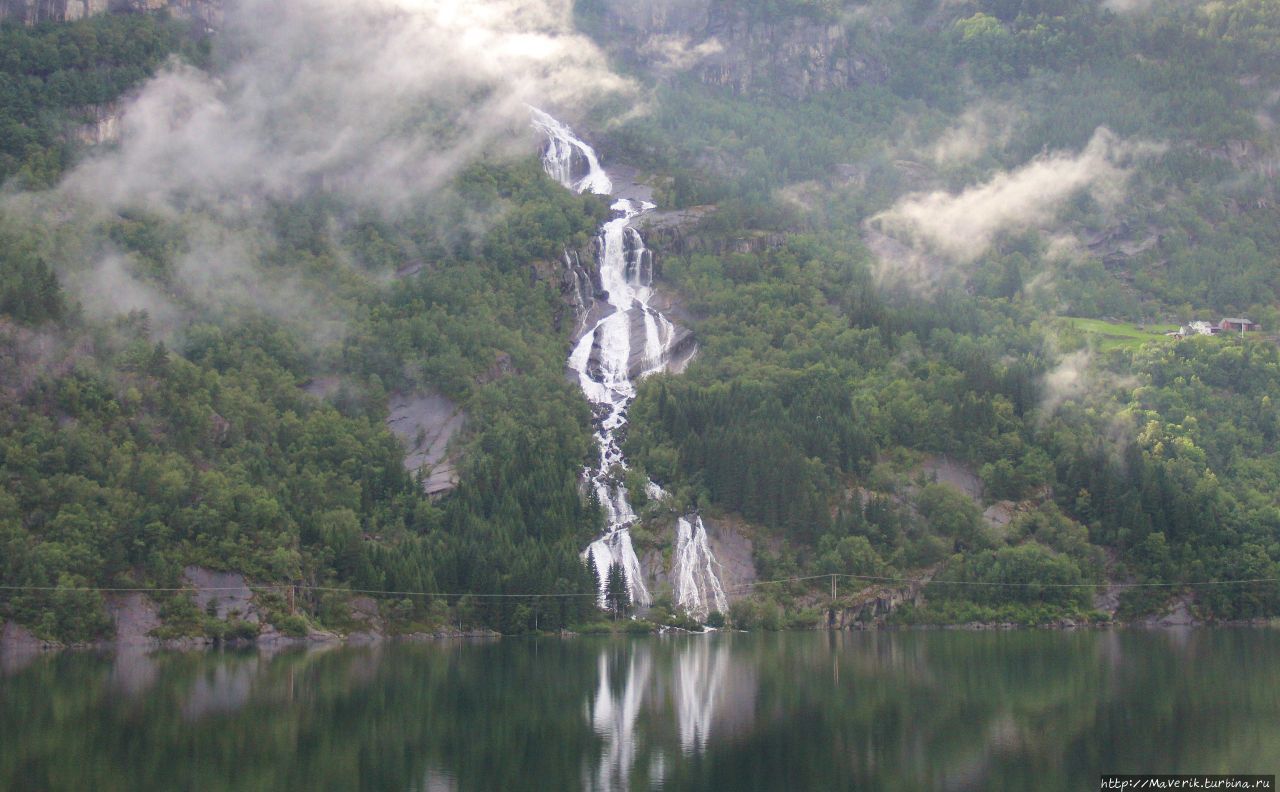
(1117, 335)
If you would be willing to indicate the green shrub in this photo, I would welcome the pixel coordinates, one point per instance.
(292, 625)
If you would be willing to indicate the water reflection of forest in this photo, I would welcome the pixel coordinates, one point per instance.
(917, 710)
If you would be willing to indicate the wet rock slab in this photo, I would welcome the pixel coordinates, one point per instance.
(426, 422)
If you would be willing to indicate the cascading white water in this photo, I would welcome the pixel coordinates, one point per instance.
(563, 151)
(697, 583)
(632, 341)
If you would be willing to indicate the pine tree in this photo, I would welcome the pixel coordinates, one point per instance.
(617, 596)
(593, 572)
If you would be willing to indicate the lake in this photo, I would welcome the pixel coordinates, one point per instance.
(954, 710)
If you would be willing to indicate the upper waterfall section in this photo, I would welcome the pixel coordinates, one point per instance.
(568, 160)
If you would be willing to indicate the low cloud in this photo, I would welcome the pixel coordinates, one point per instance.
(674, 53)
(1077, 379)
(1130, 6)
(111, 288)
(962, 225)
(1148, 6)
(380, 100)
(376, 102)
(1065, 382)
(979, 130)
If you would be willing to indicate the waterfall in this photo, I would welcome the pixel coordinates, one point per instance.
(566, 156)
(633, 340)
(697, 580)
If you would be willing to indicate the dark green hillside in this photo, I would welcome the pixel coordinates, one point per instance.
(820, 368)
(54, 78)
(125, 458)
(938, 235)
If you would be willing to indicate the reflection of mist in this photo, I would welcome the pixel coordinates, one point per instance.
(712, 694)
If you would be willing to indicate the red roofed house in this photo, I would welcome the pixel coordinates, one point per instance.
(1235, 325)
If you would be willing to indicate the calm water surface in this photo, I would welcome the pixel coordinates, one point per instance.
(911, 710)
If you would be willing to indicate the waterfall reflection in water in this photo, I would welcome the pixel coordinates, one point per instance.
(685, 690)
(897, 710)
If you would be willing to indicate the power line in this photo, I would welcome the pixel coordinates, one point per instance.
(283, 587)
(1010, 584)
(570, 595)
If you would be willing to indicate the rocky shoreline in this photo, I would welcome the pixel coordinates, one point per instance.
(18, 642)
(16, 639)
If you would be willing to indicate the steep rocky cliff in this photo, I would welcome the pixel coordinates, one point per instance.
(31, 12)
(679, 232)
(729, 541)
(723, 43)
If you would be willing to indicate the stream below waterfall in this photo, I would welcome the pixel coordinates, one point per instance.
(632, 340)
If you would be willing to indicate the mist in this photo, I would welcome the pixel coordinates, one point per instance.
(963, 225)
(984, 127)
(379, 100)
(376, 102)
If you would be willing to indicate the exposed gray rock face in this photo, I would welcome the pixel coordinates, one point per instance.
(677, 233)
(660, 16)
(135, 616)
(576, 277)
(32, 12)
(365, 611)
(733, 551)
(226, 594)
(1178, 614)
(426, 422)
(722, 44)
(945, 470)
(580, 280)
(876, 603)
(104, 126)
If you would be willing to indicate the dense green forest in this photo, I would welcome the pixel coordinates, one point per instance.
(57, 77)
(831, 362)
(826, 370)
(126, 458)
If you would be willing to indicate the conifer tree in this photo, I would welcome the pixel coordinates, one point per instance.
(593, 572)
(617, 596)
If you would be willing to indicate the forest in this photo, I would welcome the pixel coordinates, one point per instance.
(127, 457)
(827, 368)
(834, 358)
